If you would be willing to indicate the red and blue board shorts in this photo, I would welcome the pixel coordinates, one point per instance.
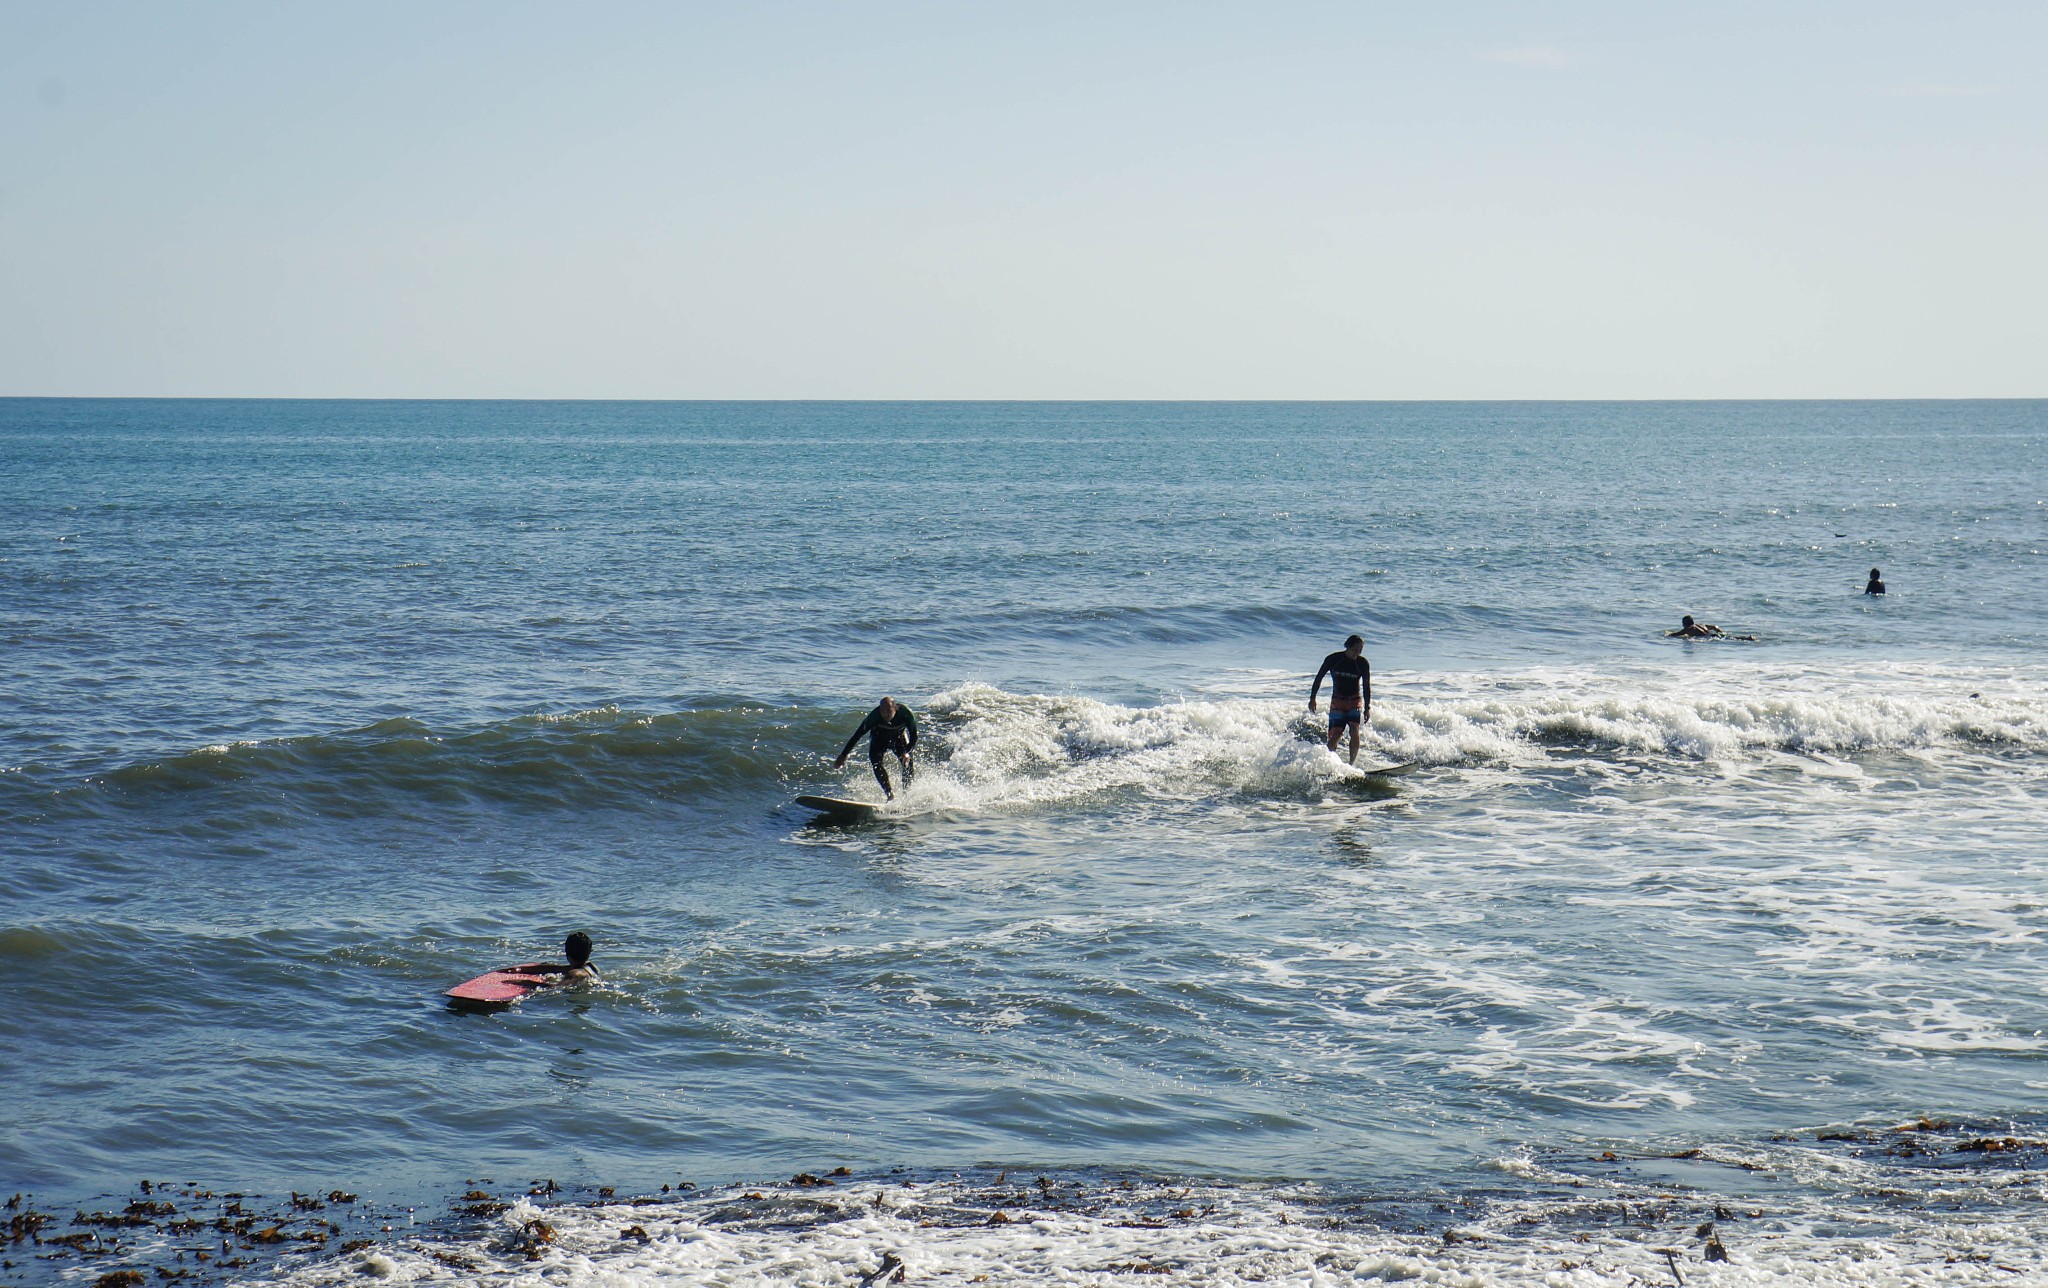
(1345, 711)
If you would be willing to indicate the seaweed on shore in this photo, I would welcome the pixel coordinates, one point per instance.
(1647, 1213)
(173, 1232)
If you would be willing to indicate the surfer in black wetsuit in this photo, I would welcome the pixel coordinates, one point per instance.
(1350, 691)
(1688, 629)
(1875, 586)
(890, 727)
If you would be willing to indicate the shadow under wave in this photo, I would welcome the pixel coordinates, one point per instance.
(607, 757)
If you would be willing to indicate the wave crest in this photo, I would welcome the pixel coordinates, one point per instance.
(604, 755)
(1008, 747)
(989, 748)
(1696, 726)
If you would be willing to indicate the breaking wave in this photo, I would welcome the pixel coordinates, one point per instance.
(1020, 748)
(990, 748)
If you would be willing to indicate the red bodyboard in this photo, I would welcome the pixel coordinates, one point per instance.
(498, 988)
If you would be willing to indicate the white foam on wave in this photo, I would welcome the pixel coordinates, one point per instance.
(1725, 713)
(1704, 727)
(955, 1233)
(1027, 749)
(1005, 748)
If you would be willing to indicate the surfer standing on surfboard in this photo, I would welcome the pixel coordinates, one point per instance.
(890, 727)
(1350, 692)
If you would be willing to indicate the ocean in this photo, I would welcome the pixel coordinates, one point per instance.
(1665, 950)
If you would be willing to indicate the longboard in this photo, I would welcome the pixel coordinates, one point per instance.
(495, 990)
(838, 807)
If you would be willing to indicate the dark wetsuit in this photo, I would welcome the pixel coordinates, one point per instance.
(1875, 587)
(886, 738)
(1350, 687)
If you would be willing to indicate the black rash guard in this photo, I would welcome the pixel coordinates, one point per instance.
(1350, 680)
(885, 736)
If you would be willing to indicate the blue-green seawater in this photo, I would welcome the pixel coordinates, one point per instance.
(310, 710)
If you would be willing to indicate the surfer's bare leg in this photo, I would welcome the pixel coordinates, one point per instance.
(1353, 727)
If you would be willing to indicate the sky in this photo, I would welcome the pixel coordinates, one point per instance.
(986, 199)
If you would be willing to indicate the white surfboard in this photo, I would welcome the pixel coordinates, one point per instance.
(838, 806)
(1387, 771)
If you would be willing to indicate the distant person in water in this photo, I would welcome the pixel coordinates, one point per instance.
(1688, 629)
(890, 729)
(1350, 692)
(1875, 586)
(578, 968)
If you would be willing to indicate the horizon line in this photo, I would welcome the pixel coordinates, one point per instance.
(486, 398)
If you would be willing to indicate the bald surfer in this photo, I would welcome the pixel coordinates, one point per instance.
(890, 729)
(1350, 692)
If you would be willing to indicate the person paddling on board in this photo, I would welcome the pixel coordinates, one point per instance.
(1688, 629)
(577, 948)
(1875, 586)
(890, 727)
(1350, 692)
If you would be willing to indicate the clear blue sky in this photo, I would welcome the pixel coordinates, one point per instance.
(987, 199)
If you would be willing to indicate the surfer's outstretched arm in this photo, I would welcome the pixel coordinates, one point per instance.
(847, 750)
(1317, 686)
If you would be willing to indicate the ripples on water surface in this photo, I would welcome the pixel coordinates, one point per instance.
(315, 709)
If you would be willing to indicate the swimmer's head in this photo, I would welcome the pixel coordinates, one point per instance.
(577, 946)
(1354, 643)
(1686, 620)
(887, 706)
(1874, 575)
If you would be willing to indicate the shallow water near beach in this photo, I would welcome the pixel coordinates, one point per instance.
(313, 710)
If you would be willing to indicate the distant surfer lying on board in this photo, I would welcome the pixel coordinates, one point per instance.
(1688, 629)
(890, 727)
(1350, 692)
